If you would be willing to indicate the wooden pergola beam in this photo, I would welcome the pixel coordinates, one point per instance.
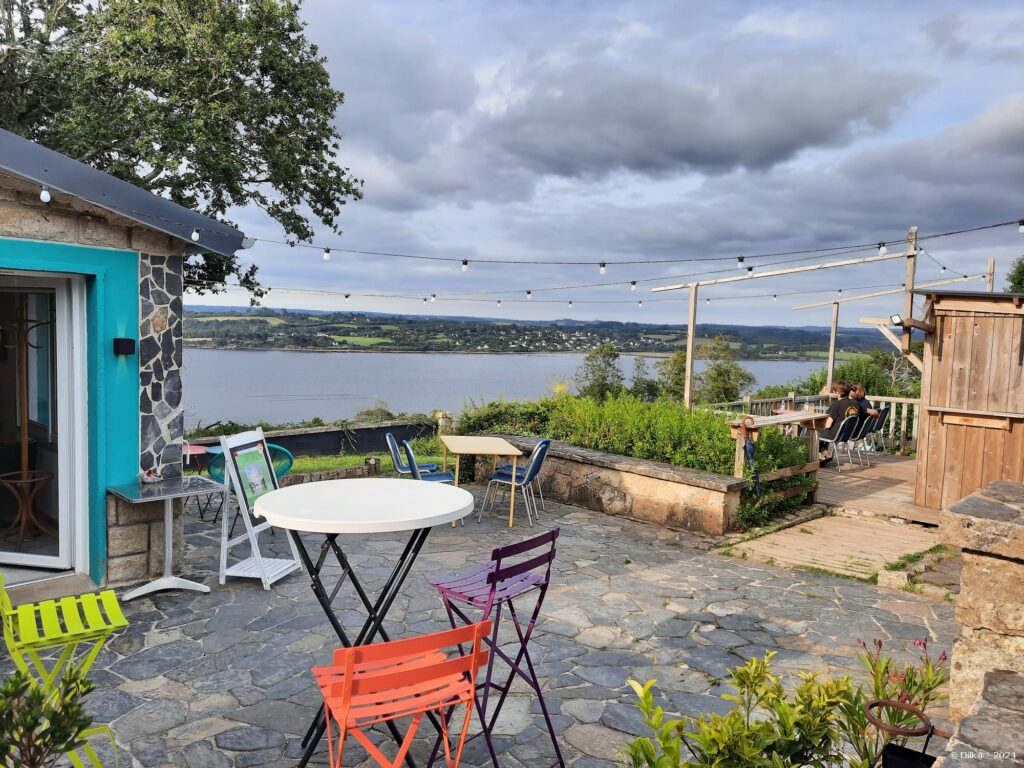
(882, 324)
(893, 291)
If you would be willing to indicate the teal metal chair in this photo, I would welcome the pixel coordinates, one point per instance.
(282, 459)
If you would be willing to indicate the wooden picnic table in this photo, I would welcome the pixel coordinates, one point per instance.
(477, 445)
(813, 421)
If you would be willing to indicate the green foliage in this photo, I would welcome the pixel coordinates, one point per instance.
(600, 375)
(528, 418)
(723, 380)
(672, 371)
(1015, 277)
(820, 725)
(36, 727)
(884, 373)
(216, 105)
(644, 387)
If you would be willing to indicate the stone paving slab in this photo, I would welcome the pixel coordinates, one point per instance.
(222, 680)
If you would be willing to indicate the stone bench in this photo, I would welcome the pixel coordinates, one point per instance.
(653, 491)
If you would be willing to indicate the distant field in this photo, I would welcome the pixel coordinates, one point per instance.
(823, 355)
(271, 320)
(363, 341)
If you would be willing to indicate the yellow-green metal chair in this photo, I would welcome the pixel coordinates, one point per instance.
(32, 629)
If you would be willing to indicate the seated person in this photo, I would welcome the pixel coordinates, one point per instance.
(858, 393)
(843, 406)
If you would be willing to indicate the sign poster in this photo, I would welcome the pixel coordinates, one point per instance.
(255, 474)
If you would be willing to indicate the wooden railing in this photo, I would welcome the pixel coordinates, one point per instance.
(900, 434)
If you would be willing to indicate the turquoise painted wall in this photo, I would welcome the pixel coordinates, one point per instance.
(112, 288)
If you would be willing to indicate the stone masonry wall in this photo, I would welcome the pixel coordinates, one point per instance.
(135, 540)
(161, 417)
(988, 526)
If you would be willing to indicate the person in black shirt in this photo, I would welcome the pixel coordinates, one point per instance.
(860, 394)
(843, 407)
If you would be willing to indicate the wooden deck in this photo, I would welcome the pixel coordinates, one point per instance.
(886, 488)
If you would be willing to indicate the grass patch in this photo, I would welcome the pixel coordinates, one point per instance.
(836, 574)
(363, 341)
(244, 318)
(806, 530)
(916, 557)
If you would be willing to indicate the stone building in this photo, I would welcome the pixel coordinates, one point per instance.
(91, 285)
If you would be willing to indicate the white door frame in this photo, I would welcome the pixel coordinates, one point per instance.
(72, 419)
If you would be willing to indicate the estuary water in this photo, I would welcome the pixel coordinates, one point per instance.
(247, 386)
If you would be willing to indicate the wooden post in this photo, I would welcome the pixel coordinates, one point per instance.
(832, 347)
(691, 333)
(991, 275)
(908, 286)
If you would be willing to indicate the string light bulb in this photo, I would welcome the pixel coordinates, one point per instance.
(327, 254)
(424, 299)
(465, 265)
(707, 300)
(347, 297)
(839, 292)
(529, 295)
(1020, 226)
(775, 297)
(632, 285)
(749, 270)
(433, 297)
(570, 304)
(499, 302)
(739, 263)
(195, 235)
(882, 250)
(44, 194)
(640, 304)
(602, 268)
(943, 270)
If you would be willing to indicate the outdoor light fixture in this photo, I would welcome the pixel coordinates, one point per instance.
(882, 250)
(465, 265)
(124, 347)
(632, 285)
(327, 254)
(739, 263)
(602, 268)
(529, 295)
(44, 195)
(896, 319)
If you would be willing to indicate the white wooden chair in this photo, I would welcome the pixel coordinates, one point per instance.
(249, 471)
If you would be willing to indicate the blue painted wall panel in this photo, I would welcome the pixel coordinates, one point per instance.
(112, 286)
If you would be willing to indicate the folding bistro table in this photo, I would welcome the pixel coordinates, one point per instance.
(481, 445)
(166, 491)
(333, 508)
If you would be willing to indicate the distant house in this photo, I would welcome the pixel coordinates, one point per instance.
(91, 272)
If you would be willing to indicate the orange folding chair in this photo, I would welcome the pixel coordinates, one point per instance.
(370, 684)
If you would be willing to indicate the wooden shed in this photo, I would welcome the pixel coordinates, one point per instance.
(972, 395)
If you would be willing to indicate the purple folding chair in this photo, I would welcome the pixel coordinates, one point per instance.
(513, 572)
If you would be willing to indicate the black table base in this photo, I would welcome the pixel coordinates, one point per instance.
(376, 612)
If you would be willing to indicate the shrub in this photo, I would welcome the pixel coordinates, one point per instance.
(528, 418)
(774, 450)
(821, 725)
(37, 727)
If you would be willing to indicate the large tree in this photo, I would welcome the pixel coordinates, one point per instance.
(723, 380)
(213, 103)
(1015, 277)
(600, 375)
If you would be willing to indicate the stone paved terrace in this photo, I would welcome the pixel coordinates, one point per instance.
(222, 679)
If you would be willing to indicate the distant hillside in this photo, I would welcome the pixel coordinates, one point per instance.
(261, 328)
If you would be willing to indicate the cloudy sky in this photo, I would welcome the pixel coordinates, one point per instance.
(589, 131)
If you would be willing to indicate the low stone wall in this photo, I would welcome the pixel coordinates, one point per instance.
(652, 491)
(988, 526)
(992, 733)
(135, 540)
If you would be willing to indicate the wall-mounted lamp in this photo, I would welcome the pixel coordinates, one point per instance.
(896, 319)
(124, 347)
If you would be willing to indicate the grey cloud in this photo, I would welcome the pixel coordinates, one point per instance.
(592, 120)
(944, 33)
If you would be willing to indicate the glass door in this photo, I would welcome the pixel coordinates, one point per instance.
(35, 446)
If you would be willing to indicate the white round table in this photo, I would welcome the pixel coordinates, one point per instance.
(364, 505)
(333, 508)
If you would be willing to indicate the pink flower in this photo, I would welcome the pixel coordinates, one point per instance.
(922, 644)
(942, 658)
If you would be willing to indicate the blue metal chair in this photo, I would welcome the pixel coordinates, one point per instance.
(842, 439)
(401, 467)
(521, 470)
(523, 481)
(416, 469)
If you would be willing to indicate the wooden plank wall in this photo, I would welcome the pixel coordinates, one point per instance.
(973, 363)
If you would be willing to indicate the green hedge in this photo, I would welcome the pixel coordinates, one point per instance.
(658, 431)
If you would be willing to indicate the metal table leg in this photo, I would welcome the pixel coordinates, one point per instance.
(168, 580)
(376, 612)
